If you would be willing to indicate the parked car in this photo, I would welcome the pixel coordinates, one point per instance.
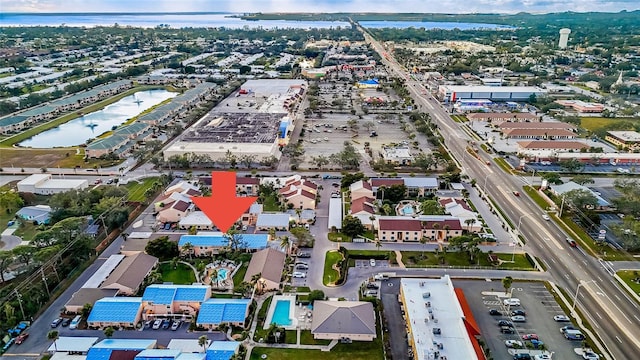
(157, 324)
(21, 338)
(97, 181)
(75, 322)
(590, 355)
(372, 262)
(56, 322)
(380, 276)
(302, 267)
(518, 312)
(304, 255)
(298, 274)
(175, 325)
(494, 312)
(542, 357)
(507, 330)
(561, 318)
(505, 323)
(522, 356)
(530, 337)
(536, 343)
(518, 318)
(166, 324)
(511, 302)
(66, 322)
(335, 184)
(301, 263)
(372, 285)
(371, 293)
(513, 344)
(565, 328)
(147, 324)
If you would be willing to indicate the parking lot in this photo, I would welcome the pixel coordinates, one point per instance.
(539, 307)
(301, 265)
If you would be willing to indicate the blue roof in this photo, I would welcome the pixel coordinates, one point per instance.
(369, 82)
(216, 311)
(222, 350)
(115, 309)
(103, 349)
(166, 294)
(192, 356)
(158, 354)
(249, 241)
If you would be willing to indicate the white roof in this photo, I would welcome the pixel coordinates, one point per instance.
(335, 213)
(421, 182)
(195, 218)
(140, 235)
(454, 340)
(273, 220)
(103, 272)
(493, 89)
(186, 345)
(33, 179)
(63, 184)
(73, 343)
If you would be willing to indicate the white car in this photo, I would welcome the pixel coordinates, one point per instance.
(546, 217)
(518, 318)
(298, 274)
(542, 357)
(513, 343)
(561, 318)
(156, 324)
(590, 355)
(511, 302)
(372, 262)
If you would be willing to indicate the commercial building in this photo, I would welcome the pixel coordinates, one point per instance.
(537, 150)
(562, 189)
(337, 320)
(628, 140)
(496, 119)
(45, 184)
(254, 123)
(439, 322)
(451, 93)
(580, 106)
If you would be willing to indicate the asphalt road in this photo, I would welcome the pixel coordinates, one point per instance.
(606, 306)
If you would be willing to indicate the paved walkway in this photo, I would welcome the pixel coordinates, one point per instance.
(399, 259)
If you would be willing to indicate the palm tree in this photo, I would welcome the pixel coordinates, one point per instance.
(202, 341)
(378, 244)
(285, 243)
(108, 332)
(53, 335)
(506, 282)
(214, 276)
(469, 222)
(188, 248)
(423, 241)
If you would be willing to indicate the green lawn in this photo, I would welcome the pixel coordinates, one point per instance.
(271, 203)
(338, 236)
(355, 351)
(137, 189)
(628, 276)
(504, 165)
(27, 231)
(537, 198)
(416, 259)
(330, 275)
(239, 275)
(181, 275)
(594, 124)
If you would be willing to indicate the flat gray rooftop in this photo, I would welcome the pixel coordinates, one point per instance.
(221, 127)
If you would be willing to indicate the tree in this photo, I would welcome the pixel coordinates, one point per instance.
(24, 253)
(108, 332)
(315, 295)
(583, 179)
(552, 178)
(162, 248)
(571, 165)
(246, 160)
(320, 161)
(352, 226)
(423, 241)
(10, 201)
(581, 199)
(188, 248)
(285, 244)
(302, 235)
(53, 335)
(395, 193)
(431, 207)
(506, 283)
(235, 240)
(86, 310)
(203, 341)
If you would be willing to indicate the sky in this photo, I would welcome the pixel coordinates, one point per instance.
(392, 6)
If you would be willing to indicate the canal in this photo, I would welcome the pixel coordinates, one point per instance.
(88, 126)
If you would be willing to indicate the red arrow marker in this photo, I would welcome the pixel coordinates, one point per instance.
(223, 207)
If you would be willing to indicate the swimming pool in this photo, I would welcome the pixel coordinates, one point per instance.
(222, 274)
(408, 210)
(281, 313)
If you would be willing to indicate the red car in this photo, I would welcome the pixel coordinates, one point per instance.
(530, 337)
(21, 338)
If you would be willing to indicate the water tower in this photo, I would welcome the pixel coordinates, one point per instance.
(564, 38)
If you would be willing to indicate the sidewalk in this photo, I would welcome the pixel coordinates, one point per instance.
(490, 219)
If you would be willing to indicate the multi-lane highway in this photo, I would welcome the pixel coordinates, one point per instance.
(614, 316)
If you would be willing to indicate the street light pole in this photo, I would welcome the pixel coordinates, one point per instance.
(519, 222)
(19, 296)
(575, 297)
(562, 206)
(485, 181)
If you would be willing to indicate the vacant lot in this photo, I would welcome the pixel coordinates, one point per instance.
(49, 158)
(594, 124)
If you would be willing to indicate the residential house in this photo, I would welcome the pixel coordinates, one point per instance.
(269, 264)
(337, 320)
(277, 221)
(421, 186)
(361, 188)
(87, 296)
(119, 349)
(377, 183)
(173, 208)
(247, 186)
(362, 206)
(197, 220)
(38, 214)
(222, 350)
(116, 312)
(184, 188)
(214, 312)
(460, 209)
(434, 228)
(299, 193)
(130, 273)
(161, 300)
(251, 217)
(208, 243)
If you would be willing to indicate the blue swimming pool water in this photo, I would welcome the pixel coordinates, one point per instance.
(407, 210)
(222, 274)
(281, 313)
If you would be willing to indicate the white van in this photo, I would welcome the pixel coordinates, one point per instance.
(75, 322)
